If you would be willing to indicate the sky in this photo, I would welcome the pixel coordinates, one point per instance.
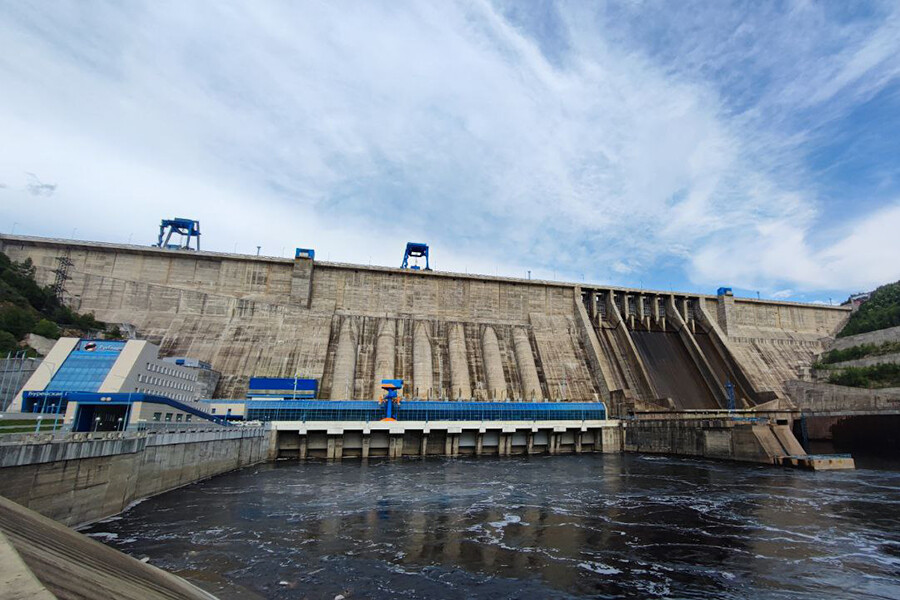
(662, 145)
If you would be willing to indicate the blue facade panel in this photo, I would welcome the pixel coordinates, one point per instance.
(352, 410)
(283, 387)
(313, 410)
(501, 411)
(284, 384)
(86, 366)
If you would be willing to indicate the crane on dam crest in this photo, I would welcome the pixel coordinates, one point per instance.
(415, 250)
(188, 229)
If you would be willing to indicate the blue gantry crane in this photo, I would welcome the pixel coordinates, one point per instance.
(189, 229)
(415, 250)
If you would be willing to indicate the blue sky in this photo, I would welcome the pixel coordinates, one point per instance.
(668, 145)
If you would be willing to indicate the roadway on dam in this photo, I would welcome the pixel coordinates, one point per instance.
(612, 525)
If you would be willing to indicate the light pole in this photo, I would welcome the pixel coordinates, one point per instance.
(37, 425)
(96, 423)
(119, 424)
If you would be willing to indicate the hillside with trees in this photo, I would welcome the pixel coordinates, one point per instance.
(880, 311)
(26, 307)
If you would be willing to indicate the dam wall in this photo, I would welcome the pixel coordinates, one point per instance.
(81, 478)
(447, 335)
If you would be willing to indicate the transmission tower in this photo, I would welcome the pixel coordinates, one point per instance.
(62, 275)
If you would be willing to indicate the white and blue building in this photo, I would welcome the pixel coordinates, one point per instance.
(106, 385)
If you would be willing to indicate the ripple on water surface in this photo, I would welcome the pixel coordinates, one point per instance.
(541, 527)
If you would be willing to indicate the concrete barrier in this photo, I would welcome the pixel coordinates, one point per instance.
(43, 560)
(78, 479)
(753, 440)
(827, 399)
(891, 334)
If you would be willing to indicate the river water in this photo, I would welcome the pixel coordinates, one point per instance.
(590, 526)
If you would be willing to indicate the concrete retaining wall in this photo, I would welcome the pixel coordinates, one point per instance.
(715, 438)
(78, 479)
(837, 399)
(891, 334)
(869, 361)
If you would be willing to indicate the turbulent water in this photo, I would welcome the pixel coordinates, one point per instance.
(598, 526)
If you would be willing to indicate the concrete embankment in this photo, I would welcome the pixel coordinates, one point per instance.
(342, 440)
(748, 439)
(753, 440)
(81, 478)
(43, 560)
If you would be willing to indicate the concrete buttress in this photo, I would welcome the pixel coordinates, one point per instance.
(493, 364)
(384, 355)
(531, 385)
(423, 367)
(344, 362)
(459, 363)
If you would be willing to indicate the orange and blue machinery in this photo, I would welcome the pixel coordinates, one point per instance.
(391, 398)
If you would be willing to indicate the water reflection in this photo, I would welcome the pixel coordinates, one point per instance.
(543, 527)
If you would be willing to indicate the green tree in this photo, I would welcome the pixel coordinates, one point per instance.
(880, 311)
(7, 343)
(24, 303)
(17, 320)
(46, 328)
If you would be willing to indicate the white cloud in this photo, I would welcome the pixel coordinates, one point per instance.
(866, 253)
(355, 131)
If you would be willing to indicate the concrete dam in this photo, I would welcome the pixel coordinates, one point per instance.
(447, 335)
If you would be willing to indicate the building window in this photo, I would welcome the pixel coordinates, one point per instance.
(168, 417)
(188, 418)
(178, 418)
(84, 371)
(214, 411)
(157, 416)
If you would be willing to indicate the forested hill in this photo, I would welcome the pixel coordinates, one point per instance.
(26, 307)
(880, 311)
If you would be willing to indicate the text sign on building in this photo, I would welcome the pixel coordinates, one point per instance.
(100, 346)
